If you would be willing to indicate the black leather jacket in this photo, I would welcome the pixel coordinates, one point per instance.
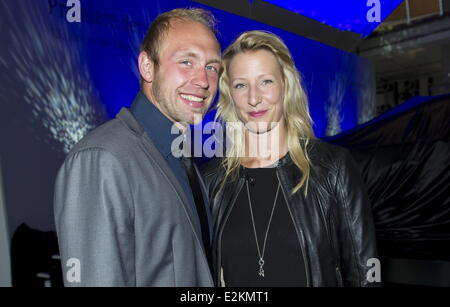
(333, 222)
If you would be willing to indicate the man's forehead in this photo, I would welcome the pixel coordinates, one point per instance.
(196, 53)
(181, 38)
(185, 26)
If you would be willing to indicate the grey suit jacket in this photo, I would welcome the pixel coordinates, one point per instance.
(122, 218)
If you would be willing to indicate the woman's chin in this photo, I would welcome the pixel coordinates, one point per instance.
(259, 127)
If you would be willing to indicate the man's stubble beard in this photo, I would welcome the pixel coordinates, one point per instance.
(172, 111)
(162, 104)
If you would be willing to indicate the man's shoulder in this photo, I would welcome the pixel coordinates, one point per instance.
(113, 136)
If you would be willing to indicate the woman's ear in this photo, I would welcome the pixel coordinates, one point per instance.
(146, 67)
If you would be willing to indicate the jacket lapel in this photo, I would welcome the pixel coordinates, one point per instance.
(153, 154)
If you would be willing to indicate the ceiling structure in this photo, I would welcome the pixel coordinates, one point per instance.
(358, 16)
(342, 24)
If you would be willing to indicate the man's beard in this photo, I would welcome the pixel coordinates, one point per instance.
(164, 107)
(173, 111)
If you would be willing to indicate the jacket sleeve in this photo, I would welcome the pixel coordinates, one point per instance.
(357, 230)
(93, 215)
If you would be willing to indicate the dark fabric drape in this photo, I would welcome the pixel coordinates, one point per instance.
(32, 261)
(404, 158)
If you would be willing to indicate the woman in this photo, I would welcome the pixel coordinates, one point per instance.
(289, 210)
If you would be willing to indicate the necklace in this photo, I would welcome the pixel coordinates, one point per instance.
(261, 255)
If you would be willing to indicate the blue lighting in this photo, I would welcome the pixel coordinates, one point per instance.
(86, 72)
(345, 15)
(111, 54)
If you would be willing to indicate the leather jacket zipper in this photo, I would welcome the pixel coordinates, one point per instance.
(299, 234)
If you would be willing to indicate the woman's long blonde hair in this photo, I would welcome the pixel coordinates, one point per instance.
(296, 115)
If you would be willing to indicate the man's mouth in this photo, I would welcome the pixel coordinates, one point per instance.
(193, 101)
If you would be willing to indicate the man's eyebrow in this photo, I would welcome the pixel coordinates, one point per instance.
(196, 56)
(215, 61)
(190, 54)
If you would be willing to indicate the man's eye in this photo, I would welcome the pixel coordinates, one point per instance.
(212, 68)
(186, 62)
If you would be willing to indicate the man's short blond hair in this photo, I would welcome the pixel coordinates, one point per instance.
(160, 26)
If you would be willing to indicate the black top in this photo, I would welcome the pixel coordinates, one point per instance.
(283, 258)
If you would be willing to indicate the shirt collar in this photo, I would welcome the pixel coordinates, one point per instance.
(156, 125)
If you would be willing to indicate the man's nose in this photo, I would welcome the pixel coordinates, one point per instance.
(201, 78)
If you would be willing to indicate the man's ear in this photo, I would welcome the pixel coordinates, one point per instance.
(146, 67)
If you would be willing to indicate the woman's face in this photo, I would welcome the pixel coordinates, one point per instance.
(257, 89)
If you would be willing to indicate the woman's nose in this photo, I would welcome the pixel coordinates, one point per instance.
(255, 98)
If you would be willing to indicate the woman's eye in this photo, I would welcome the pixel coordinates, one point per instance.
(186, 62)
(239, 85)
(267, 81)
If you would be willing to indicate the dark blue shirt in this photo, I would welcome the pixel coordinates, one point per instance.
(158, 128)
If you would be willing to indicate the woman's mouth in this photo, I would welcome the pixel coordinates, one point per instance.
(257, 114)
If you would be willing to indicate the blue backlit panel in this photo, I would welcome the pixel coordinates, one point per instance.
(84, 73)
(359, 16)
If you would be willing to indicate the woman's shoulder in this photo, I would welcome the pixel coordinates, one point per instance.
(329, 164)
(326, 154)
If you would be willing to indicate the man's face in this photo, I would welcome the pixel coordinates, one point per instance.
(186, 80)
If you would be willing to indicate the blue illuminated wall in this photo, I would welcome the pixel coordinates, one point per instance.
(59, 80)
(111, 56)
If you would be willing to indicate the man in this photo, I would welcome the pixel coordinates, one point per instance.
(129, 212)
